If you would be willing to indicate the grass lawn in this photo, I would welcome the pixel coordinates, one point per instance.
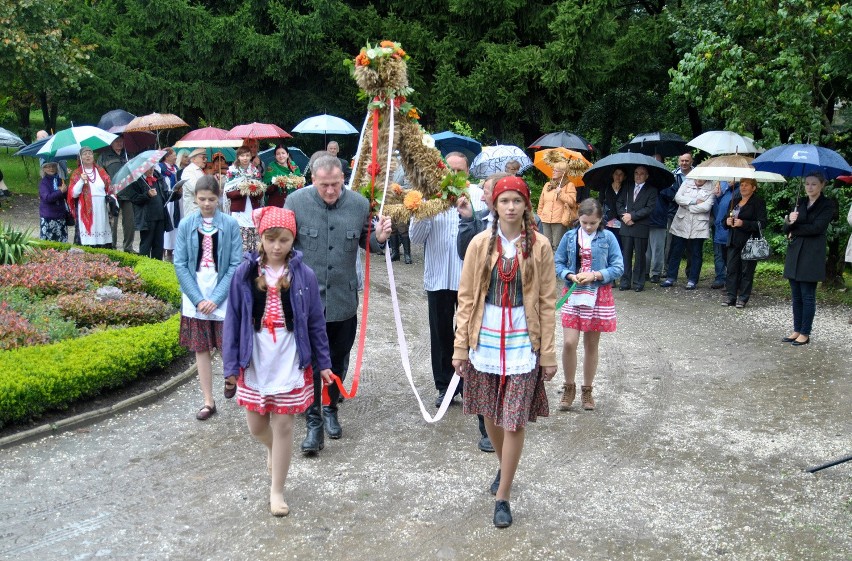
(20, 174)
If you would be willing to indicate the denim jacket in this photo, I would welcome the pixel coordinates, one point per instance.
(606, 256)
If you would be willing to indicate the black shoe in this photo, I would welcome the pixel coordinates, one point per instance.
(502, 514)
(4, 193)
(315, 438)
(717, 285)
(729, 302)
(496, 484)
(485, 444)
(639, 289)
(440, 399)
(800, 343)
(332, 426)
(407, 258)
(622, 288)
(655, 279)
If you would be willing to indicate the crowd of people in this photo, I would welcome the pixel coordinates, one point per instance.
(270, 279)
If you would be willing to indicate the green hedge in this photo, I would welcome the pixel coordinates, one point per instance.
(37, 379)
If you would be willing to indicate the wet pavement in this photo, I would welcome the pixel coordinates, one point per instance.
(704, 425)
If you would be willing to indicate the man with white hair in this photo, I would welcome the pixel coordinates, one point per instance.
(333, 148)
(191, 174)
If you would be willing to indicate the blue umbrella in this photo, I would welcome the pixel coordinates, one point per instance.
(32, 151)
(448, 141)
(114, 121)
(797, 160)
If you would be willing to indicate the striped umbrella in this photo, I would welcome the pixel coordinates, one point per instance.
(69, 141)
(136, 168)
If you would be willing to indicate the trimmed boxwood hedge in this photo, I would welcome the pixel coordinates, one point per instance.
(37, 379)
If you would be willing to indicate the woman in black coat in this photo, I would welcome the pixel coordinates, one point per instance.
(148, 195)
(804, 266)
(745, 219)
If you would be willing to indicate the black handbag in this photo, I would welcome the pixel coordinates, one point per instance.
(112, 206)
(756, 249)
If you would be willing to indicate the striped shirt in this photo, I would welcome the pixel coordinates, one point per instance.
(442, 268)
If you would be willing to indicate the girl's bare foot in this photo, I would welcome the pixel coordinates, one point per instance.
(277, 506)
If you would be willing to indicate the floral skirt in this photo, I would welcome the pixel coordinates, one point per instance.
(522, 398)
(54, 229)
(251, 241)
(200, 335)
(600, 317)
(290, 403)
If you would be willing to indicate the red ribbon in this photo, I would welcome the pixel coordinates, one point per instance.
(373, 168)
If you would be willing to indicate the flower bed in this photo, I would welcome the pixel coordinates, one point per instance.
(39, 378)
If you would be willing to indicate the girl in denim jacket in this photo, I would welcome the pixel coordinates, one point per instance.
(588, 256)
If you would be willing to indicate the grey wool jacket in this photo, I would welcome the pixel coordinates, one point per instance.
(328, 237)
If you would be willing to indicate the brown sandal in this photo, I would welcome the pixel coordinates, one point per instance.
(206, 412)
(230, 390)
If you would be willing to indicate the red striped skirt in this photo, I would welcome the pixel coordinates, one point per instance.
(600, 317)
(291, 403)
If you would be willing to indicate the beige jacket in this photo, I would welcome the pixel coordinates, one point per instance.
(539, 285)
(552, 206)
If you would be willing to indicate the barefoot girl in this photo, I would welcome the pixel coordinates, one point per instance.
(207, 252)
(505, 329)
(589, 256)
(274, 328)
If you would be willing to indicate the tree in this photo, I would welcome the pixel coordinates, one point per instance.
(40, 57)
(776, 68)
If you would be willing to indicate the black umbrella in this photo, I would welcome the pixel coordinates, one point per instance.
(116, 119)
(665, 144)
(564, 139)
(600, 175)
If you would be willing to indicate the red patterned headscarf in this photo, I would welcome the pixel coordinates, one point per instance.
(273, 217)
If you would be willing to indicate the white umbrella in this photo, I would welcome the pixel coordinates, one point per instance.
(723, 142)
(325, 124)
(493, 159)
(734, 173)
(10, 139)
(68, 142)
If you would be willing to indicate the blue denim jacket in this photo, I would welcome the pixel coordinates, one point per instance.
(606, 256)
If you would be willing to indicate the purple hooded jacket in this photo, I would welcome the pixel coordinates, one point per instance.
(51, 200)
(308, 317)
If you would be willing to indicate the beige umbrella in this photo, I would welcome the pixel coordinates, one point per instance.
(155, 122)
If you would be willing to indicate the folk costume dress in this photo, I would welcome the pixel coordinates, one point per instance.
(203, 332)
(503, 381)
(275, 195)
(273, 381)
(241, 206)
(590, 307)
(87, 199)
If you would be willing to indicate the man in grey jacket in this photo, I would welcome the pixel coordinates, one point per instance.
(332, 223)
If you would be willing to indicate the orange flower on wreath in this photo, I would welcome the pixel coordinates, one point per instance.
(387, 44)
(412, 200)
(362, 59)
(413, 114)
(396, 188)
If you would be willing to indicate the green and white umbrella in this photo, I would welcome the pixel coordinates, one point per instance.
(136, 168)
(68, 142)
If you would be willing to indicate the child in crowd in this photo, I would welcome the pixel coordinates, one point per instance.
(207, 252)
(505, 322)
(241, 204)
(274, 328)
(590, 257)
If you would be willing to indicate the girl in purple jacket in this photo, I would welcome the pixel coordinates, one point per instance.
(51, 207)
(274, 331)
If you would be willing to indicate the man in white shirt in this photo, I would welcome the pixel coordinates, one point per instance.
(442, 269)
(191, 173)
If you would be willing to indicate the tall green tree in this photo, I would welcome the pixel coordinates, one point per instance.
(41, 58)
(776, 68)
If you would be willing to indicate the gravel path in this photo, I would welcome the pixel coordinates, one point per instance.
(705, 423)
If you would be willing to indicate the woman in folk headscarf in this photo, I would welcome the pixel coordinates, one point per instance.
(89, 203)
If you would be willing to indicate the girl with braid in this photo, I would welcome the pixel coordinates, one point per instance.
(274, 329)
(504, 344)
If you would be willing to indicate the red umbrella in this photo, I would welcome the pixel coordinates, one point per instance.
(257, 131)
(208, 137)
